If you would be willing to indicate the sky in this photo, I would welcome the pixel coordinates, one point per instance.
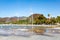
(10, 8)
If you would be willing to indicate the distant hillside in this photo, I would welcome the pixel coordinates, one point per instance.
(11, 19)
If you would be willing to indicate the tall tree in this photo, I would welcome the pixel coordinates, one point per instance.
(58, 19)
(49, 16)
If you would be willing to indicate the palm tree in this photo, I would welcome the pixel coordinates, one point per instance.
(48, 18)
(48, 15)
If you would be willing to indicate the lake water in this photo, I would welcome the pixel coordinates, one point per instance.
(9, 33)
(12, 30)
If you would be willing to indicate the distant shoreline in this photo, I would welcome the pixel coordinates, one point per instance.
(26, 25)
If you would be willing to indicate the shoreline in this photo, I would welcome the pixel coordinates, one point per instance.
(26, 25)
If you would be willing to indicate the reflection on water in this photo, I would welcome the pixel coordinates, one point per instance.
(13, 30)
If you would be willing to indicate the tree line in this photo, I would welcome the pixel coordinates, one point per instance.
(35, 18)
(41, 19)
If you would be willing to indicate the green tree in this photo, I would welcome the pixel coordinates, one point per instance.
(58, 19)
(37, 18)
(51, 20)
(48, 15)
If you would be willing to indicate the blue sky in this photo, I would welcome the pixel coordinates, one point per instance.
(10, 8)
